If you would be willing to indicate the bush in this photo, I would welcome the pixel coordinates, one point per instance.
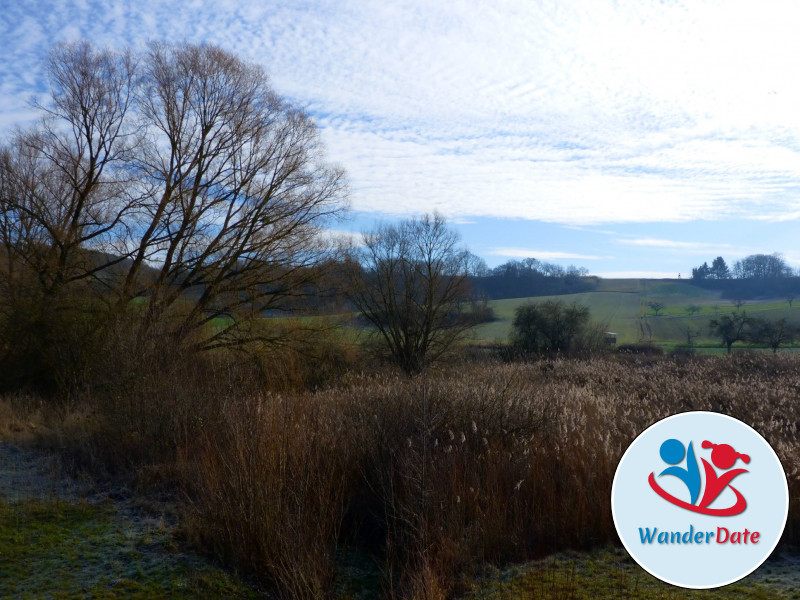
(683, 352)
(553, 327)
(268, 487)
(48, 344)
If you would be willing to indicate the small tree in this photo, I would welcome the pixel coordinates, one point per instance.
(693, 308)
(701, 272)
(656, 306)
(773, 333)
(410, 282)
(549, 327)
(730, 328)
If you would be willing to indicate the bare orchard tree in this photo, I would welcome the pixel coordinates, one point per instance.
(410, 283)
(730, 328)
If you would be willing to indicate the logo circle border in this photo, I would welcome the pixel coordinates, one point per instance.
(785, 489)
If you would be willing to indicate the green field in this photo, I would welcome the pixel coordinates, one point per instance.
(621, 305)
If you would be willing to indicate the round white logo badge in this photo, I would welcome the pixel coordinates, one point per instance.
(699, 500)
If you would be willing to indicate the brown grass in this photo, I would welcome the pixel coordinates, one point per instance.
(478, 462)
(268, 485)
(432, 475)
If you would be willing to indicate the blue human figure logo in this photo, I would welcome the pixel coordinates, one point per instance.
(672, 452)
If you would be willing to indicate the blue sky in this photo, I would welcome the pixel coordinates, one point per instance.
(632, 138)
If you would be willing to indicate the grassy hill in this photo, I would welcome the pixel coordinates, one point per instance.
(622, 306)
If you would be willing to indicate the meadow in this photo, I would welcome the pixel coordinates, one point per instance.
(621, 305)
(165, 268)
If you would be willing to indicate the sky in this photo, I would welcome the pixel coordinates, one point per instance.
(636, 139)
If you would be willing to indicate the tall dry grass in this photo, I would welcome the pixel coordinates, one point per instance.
(430, 476)
(476, 462)
(268, 485)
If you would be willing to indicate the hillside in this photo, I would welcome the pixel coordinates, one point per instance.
(622, 305)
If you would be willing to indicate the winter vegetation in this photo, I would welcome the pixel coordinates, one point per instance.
(381, 418)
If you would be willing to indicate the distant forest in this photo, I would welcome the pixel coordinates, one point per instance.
(530, 277)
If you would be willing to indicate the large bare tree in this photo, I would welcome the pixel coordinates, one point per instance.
(237, 194)
(176, 177)
(410, 282)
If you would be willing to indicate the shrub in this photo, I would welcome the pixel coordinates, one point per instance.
(553, 327)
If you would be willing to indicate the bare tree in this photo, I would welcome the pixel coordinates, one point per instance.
(237, 194)
(773, 333)
(410, 282)
(179, 177)
(730, 328)
(64, 193)
(656, 306)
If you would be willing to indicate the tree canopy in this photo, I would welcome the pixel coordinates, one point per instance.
(549, 327)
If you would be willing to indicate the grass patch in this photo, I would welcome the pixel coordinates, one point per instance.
(622, 305)
(609, 573)
(61, 550)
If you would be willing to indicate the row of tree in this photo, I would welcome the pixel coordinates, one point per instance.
(531, 277)
(755, 266)
(738, 327)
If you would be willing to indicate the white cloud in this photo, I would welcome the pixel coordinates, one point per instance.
(540, 254)
(691, 247)
(578, 113)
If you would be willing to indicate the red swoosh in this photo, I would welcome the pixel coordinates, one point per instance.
(737, 508)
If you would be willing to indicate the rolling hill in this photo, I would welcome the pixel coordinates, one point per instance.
(622, 306)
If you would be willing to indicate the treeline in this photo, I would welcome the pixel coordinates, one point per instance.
(531, 277)
(738, 327)
(753, 276)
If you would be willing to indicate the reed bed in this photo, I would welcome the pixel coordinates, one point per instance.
(434, 475)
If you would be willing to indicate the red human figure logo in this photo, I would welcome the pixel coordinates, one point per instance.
(724, 457)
